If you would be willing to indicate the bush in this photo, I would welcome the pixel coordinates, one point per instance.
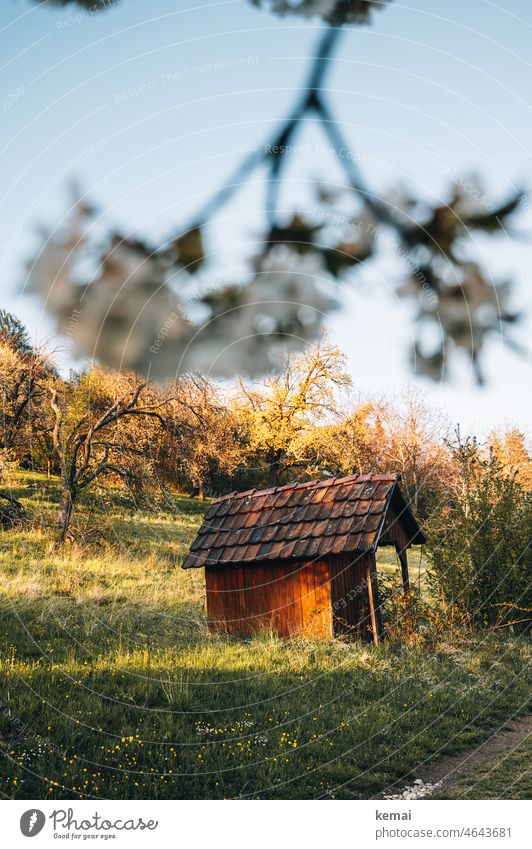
(479, 545)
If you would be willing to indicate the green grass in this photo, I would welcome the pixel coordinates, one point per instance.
(507, 776)
(112, 688)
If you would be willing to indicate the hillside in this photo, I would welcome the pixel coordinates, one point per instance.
(112, 688)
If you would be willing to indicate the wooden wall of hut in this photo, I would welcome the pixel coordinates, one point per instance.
(288, 598)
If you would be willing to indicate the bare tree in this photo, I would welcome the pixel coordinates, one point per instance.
(90, 445)
(203, 442)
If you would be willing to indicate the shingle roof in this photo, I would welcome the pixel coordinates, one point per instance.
(300, 521)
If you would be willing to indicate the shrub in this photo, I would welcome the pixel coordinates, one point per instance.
(479, 544)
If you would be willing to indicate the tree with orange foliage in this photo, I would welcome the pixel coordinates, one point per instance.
(512, 452)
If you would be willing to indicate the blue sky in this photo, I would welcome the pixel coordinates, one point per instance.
(153, 103)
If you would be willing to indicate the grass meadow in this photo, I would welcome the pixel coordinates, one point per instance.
(112, 688)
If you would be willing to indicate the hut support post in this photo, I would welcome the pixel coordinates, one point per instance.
(403, 560)
(371, 599)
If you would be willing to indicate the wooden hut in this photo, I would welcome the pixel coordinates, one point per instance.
(300, 558)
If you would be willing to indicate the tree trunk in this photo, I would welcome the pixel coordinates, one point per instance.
(274, 470)
(65, 513)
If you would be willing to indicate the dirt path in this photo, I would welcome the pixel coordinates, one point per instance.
(448, 769)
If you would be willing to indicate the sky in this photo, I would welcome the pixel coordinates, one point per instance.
(152, 104)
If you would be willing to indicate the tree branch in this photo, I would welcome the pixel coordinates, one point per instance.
(320, 63)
